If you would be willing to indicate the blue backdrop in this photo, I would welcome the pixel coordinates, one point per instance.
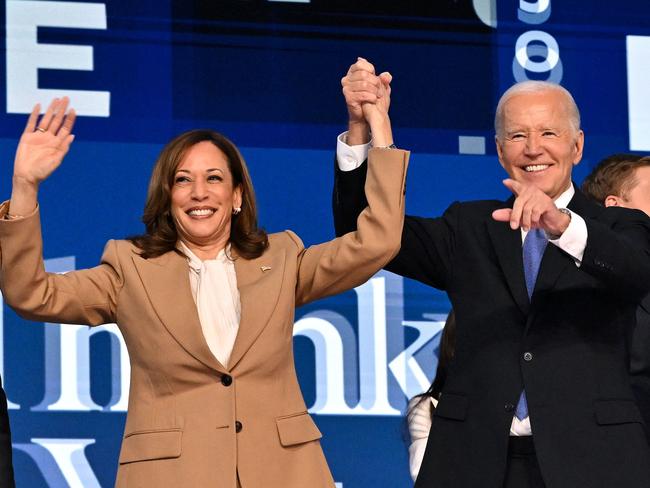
(267, 74)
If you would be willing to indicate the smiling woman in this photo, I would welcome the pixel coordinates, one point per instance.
(200, 191)
(205, 301)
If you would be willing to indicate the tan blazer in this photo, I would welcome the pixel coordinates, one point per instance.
(191, 421)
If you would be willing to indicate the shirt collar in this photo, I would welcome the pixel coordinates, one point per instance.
(196, 263)
(563, 200)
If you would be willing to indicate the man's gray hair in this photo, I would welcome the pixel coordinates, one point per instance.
(534, 86)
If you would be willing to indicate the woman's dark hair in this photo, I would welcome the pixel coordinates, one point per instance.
(447, 347)
(161, 235)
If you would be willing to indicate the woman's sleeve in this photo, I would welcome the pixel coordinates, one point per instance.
(350, 260)
(87, 297)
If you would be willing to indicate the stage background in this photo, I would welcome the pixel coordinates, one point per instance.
(267, 74)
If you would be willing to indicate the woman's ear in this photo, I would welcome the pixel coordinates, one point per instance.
(238, 197)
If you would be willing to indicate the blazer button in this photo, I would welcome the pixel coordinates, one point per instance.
(509, 407)
(238, 426)
(226, 380)
(528, 356)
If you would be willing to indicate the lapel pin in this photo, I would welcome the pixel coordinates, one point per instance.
(265, 268)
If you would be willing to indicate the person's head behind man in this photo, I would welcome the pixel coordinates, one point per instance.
(621, 180)
(538, 135)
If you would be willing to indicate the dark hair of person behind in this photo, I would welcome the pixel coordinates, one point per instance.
(447, 348)
(161, 235)
(614, 176)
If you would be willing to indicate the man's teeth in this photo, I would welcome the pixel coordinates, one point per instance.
(536, 167)
(201, 212)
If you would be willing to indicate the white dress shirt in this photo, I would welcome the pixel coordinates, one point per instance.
(572, 241)
(214, 289)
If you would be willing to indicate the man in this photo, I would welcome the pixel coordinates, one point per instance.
(538, 392)
(623, 180)
(6, 470)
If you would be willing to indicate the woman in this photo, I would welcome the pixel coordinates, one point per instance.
(422, 407)
(205, 301)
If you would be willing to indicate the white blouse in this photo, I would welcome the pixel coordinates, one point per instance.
(419, 422)
(214, 289)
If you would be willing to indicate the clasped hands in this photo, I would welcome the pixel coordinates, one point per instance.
(367, 97)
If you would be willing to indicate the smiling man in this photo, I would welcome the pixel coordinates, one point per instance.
(544, 287)
(538, 136)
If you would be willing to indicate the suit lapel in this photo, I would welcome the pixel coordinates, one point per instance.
(555, 261)
(259, 282)
(553, 264)
(645, 304)
(507, 244)
(166, 282)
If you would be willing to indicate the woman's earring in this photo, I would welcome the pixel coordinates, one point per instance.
(236, 210)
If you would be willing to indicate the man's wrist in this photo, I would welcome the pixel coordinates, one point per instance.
(358, 133)
(564, 224)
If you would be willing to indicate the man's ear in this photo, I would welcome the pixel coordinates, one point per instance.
(579, 145)
(612, 201)
(499, 150)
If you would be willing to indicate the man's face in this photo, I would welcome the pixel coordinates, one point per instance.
(638, 196)
(538, 145)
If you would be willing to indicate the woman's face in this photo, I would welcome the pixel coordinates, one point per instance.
(203, 197)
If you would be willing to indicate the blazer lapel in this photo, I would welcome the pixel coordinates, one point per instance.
(166, 282)
(507, 244)
(259, 282)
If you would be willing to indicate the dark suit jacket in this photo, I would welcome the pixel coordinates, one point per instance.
(6, 470)
(640, 361)
(587, 428)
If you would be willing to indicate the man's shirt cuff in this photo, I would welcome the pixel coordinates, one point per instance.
(350, 157)
(574, 239)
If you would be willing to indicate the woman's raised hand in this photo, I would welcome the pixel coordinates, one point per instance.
(44, 142)
(376, 114)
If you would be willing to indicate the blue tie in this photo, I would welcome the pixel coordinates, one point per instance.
(534, 245)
